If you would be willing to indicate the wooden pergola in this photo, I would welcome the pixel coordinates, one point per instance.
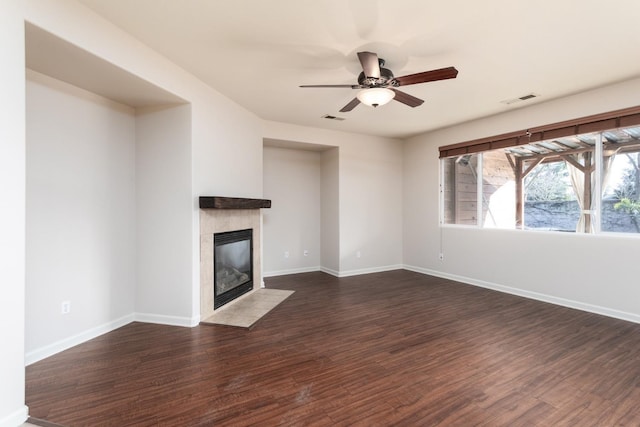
(524, 159)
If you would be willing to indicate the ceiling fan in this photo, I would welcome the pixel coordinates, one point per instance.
(378, 84)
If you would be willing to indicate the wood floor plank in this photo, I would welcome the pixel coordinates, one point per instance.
(394, 348)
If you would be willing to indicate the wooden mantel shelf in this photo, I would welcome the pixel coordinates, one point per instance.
(232, 203)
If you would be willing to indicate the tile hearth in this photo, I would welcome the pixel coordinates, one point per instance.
(248, 309)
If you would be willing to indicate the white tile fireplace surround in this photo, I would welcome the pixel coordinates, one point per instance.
(219, 215)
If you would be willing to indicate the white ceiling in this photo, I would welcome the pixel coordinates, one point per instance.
(257, 52)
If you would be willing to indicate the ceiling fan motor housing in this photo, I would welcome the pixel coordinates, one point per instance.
(386, 79)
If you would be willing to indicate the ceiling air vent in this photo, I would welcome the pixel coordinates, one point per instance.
(330, 117)
(520, 99)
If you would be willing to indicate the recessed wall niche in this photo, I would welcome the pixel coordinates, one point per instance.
(109, 156)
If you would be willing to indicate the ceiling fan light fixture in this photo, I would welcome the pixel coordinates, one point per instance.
(376, 96)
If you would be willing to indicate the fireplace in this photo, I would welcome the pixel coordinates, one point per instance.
(220, 219)
(232, 265)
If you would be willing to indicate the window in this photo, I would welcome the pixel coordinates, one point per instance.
(549, 184)
(559, 186)
(621, 181)
(550, 199)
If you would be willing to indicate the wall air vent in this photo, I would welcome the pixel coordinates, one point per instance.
(520, 99)
(330, 117)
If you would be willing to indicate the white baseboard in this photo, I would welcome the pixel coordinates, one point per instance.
(330, 271)
(358, 272)
(291, 271)
(161, 319)
(16, 418)
(596, 309)
(64, 344)
(334, 272)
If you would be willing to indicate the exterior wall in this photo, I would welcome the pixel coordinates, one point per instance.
(460, 189)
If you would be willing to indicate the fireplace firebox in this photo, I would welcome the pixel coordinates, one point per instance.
(232, 265)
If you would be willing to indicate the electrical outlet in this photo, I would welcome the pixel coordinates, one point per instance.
(286, 254)
(65, 307)
(441, 257)
(305, 252)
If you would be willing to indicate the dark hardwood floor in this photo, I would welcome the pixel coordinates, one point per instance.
(396, 348)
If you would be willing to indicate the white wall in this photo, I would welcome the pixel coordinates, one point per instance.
(80, 212)
(370, 205)
(597, 273)
(370, 195)
(12, 213)
(292, 182)
(330, 211)
(226, 147)
(163, 291)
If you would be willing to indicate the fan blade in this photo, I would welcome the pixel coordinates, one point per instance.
(428, 76)
(407, 99)
(351, 105)
(370, 64)
(343, 86)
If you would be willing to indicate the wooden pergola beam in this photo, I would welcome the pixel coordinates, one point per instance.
(533, 164)
(607, 146)
(567, 158)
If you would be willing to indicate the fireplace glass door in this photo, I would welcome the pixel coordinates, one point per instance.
(233, 265)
